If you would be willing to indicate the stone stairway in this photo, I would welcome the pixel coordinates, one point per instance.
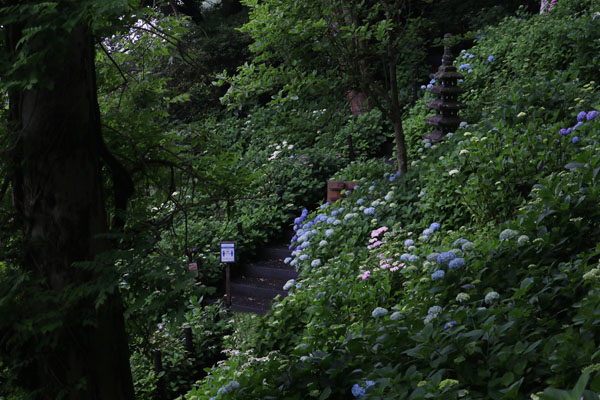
(257, 284)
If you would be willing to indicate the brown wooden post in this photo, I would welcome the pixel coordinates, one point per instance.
(160, 393)
(227, 286)
(189, 342)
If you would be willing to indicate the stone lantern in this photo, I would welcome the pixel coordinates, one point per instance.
(446, 106)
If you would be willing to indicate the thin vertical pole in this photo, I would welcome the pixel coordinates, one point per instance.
(160, 385)
(227, 286)
(189, 343)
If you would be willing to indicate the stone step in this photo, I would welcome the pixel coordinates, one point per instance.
(274, 252)
(248, 309)
(258, 287)
(259, 270)
(256, 305)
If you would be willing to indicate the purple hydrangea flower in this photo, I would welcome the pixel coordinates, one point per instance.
(581, 116)
(577, 125)
(563, 132)
(591, 115)
(575, 139)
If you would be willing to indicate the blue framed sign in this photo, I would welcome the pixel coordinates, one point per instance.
(227, 252)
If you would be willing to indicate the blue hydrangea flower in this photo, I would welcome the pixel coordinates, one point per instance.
(575, 139)
(577, 125)
(330, 220)
(231, 386)
(432, 256)
(329, 232)
(315, 263)
(404, 257)
(523, 239)
(423, 86)
(293, 263)
(360, 201)
(323, 243)
(459, 242)
(303, 257)
(368, 384)
(287, 260)
(508, 234)
(369, 211)
(437, 275)
(335, 213)
(490, 58)
(358, 391)
(471, 56)
(435, 309)
(468, 246)
(449, 324)
(491, 297)
(445, 257)
(563, 132)
(379, 312)
(393, 177)
(427, 232)
(304, 245)
(409, 242)
(412, 258)
(591, 115)
(289, 284)
(435, 226)
(469, 71)
(581, 116)
(309, 224)
(457, 263)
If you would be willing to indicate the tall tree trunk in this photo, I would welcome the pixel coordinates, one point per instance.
(401, 156)
(58, 194)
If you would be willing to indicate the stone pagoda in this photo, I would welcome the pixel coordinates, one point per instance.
(446, 106)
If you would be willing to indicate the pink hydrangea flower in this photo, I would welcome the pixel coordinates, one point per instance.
(366, 275)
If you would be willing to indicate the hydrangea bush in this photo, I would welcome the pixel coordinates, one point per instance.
(476, 275)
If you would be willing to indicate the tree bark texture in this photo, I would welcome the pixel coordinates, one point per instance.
(57, 189)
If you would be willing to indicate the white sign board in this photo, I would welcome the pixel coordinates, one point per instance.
(227, 252)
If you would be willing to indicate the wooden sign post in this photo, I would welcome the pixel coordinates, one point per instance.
(227, 257)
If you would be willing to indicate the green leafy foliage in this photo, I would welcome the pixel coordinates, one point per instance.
(500, 302)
